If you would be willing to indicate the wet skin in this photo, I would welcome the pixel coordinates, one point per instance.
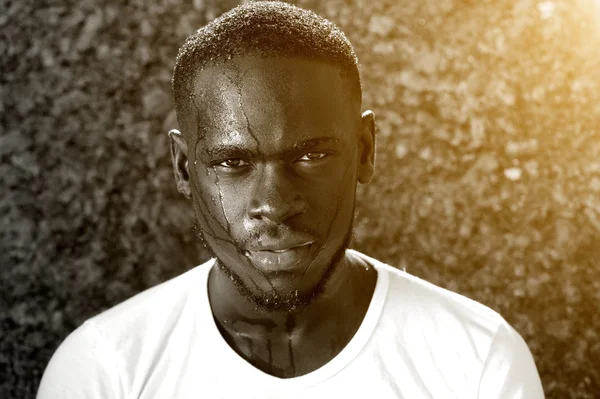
(271, 152)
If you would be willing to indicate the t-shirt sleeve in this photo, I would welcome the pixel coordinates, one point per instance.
(82, 367)
(509, 371)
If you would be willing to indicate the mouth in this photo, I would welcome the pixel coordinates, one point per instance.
(278, 259)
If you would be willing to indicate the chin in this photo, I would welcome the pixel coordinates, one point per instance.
(288, 294)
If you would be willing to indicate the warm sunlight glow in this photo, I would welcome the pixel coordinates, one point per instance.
(546, 9)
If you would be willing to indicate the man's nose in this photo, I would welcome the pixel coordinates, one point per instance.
(274, 196)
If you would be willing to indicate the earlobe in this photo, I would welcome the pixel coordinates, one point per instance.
(366, 147)
(179, 157)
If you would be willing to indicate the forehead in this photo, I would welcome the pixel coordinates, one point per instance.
(270, 100)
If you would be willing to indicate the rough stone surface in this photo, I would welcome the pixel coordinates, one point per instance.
(488, 164)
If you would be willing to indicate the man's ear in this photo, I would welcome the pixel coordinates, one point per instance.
(179, 156)
(366, 147)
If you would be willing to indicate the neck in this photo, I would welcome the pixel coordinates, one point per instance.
(269, 338)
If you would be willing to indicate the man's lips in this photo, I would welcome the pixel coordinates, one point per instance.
(277, 257)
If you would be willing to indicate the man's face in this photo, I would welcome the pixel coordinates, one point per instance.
(274, 149)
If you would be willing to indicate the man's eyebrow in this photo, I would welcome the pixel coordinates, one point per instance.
(314, 142)
(223, 151)
(227, 151)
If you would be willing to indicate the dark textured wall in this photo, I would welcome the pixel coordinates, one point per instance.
(488, 163)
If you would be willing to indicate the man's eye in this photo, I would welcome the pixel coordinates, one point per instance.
(233, 163)
(312, 156)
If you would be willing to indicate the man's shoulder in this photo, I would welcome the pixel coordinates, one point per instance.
(116, 350)
(451, 342)
(415, 298)
(154, 305)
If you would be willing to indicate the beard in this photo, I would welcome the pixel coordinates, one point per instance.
(291, 301)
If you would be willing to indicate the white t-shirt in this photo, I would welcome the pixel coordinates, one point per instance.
(417, 340)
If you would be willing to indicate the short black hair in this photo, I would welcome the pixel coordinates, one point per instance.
(266, 28)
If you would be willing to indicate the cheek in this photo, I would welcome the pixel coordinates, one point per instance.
(333, 204)
(232, 199)
(213, 204)
(343, 204)
(342, 182)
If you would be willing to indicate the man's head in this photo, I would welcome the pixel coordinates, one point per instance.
(268, 29)
(273, 143)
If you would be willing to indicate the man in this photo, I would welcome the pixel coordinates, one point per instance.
(272, 145)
